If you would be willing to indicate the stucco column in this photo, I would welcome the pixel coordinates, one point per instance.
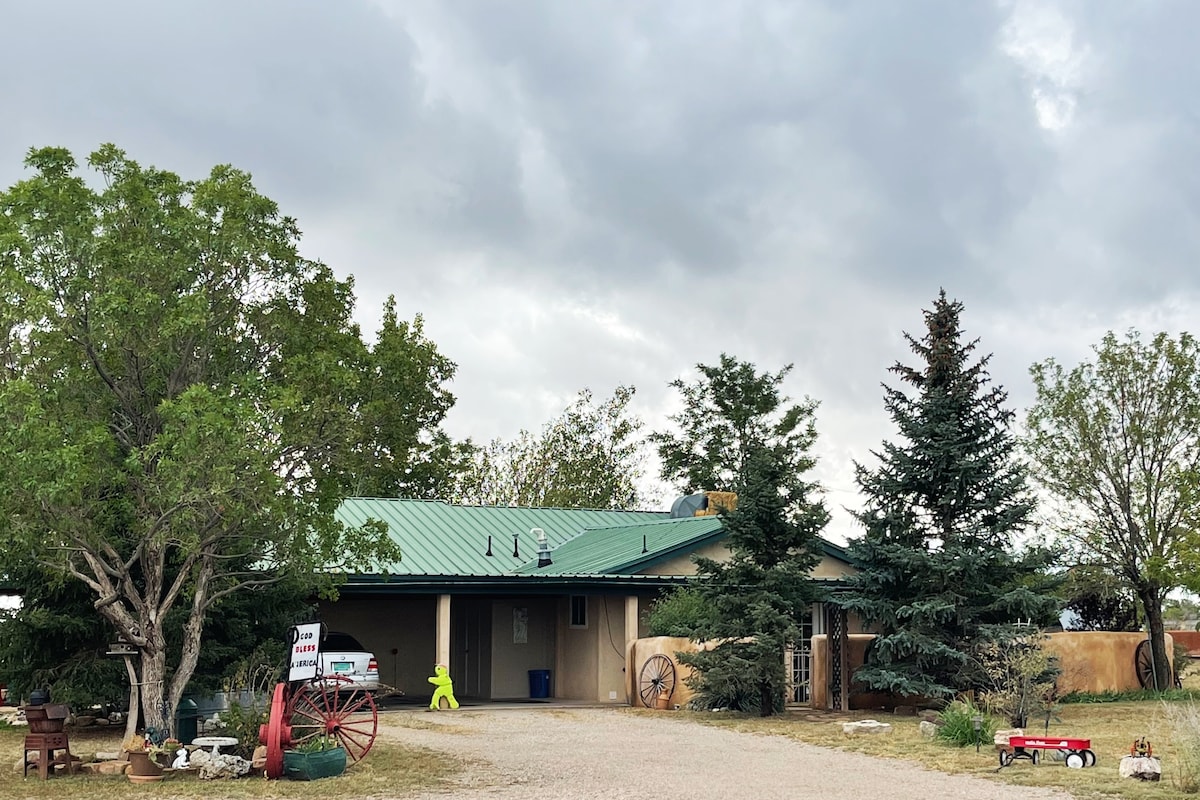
(443, 631)
(631, 620)
(631, 636)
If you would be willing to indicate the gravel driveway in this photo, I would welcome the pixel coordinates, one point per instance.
(558, 754)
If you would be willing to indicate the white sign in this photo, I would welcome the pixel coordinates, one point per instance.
(306, 654)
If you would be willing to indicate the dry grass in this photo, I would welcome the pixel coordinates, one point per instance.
(390, 769)
(1112, 727)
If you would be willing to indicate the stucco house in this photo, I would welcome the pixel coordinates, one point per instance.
(496, 592)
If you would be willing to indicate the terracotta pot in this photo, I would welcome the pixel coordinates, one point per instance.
(663, 702)
(141, 765)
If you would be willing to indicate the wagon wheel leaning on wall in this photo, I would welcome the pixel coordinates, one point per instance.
(657, 677)
(1143, 665)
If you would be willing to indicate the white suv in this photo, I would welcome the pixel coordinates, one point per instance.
(344, 656)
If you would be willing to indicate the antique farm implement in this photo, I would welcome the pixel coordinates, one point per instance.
(311, 705)
(1076, 752)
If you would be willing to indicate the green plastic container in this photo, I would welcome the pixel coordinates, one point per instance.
(310, 766)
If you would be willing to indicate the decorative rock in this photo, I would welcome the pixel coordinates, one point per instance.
(1145, 768)
(259, 759)
(905, 711)
(929, 729)
(102, 721)
(84, 720)
(219, 766)
(866, 726)
(106, 755)
(929, 715)
(112, 767)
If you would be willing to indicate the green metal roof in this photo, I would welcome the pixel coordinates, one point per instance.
(437, 538)
(625, 549)
(450, 542)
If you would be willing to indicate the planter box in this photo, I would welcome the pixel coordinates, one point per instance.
(310, 766)
(47, 718)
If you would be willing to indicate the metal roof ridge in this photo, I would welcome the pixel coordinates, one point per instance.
(510, 507)
(666, 521)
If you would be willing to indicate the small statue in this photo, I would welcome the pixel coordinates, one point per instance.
(181, 759)
(445, 687)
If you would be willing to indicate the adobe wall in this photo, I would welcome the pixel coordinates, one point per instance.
(1091, 661)
(1097, 661)
(640, 652)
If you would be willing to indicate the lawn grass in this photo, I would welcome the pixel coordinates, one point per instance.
(389, 769)
(1112, 727)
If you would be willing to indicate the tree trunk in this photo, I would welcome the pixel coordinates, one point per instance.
(135, 696)
(1151, 597)
(766, 699)
(154, 669)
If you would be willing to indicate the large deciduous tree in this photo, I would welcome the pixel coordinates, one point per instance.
(738, 433)
(402, 450)
(590, 456)
(179, 390)
(940, 572)
(1117, 440)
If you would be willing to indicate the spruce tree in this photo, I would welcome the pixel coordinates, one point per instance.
(940, 572)
(756, 599)
(739, 433)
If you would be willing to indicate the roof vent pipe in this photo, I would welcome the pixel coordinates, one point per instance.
(543, 547)
(516, 552)
(644, 550)
(489, 550)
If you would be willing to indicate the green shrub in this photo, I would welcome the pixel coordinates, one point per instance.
(243, 723)
(958, 724)
(681, 612)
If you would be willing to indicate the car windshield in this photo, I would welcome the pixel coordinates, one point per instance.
(341, 641)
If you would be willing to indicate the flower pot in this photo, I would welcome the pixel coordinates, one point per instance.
(310, 766)
(143, 778)
(141, 765)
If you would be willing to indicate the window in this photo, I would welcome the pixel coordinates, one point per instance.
(578, 611)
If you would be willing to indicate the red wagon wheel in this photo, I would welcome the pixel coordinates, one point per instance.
(276, 733)
(334, 706)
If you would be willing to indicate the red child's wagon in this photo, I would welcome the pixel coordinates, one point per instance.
(1077, 752)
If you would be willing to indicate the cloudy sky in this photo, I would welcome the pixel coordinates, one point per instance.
(581, 193)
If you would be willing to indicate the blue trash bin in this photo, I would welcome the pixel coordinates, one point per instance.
(539, 683)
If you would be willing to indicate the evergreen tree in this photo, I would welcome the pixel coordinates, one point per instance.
(738, 432)
(939, 571)
(756, 599)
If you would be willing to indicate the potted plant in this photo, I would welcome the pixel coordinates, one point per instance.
(165, 753)
(318, 757)
(142, 767)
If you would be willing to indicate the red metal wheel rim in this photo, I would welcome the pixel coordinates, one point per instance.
(273, 734)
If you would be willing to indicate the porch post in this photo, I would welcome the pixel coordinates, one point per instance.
(443, 630)
(631, 619)
(631, 635)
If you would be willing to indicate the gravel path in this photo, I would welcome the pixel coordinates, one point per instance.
(557, 754)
